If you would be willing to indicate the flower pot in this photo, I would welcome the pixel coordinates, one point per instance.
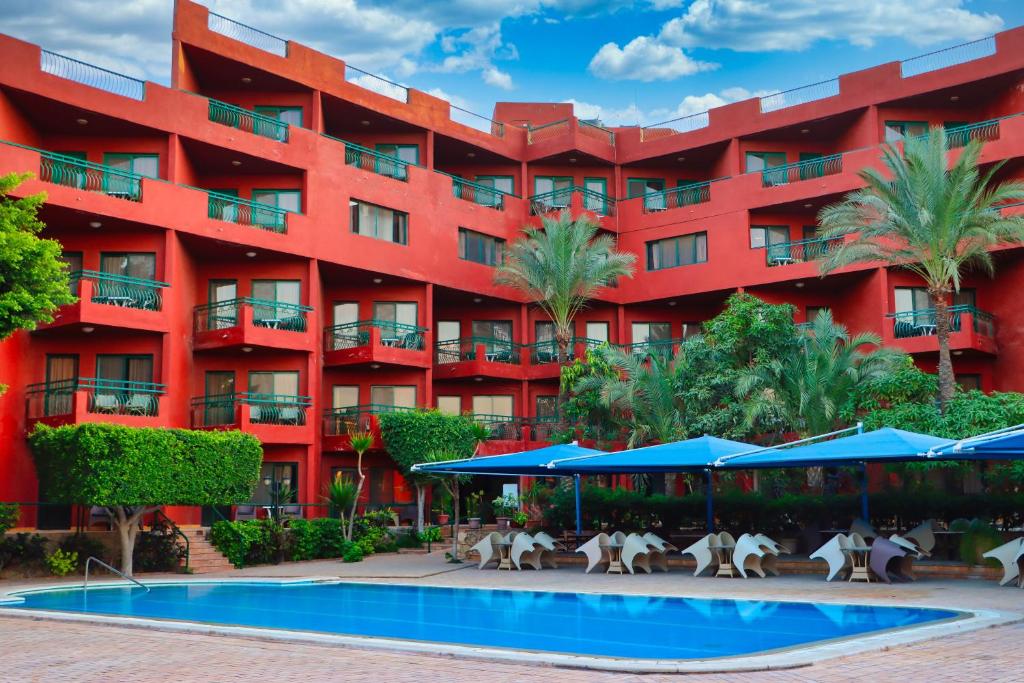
(503, 523)
(474, 522)
(442, 520)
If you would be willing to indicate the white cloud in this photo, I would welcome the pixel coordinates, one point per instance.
(497, 78)
(756, 26)
(476, 50)
(644, 59)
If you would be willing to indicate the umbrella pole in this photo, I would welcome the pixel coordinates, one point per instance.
(864, 492)
(579, 516)
(710, 502)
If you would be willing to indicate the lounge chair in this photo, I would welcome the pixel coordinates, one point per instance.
(596, 555)
(859, 526)
(747, 556)
(772, 545)
(659, 550)
(549, 549)
(525, 551)
(883, 553)
(908, 545)
(832, 553)
(923, 536)
(487, 548)
(772, 549)
(635, 553)
(701, 551)
(1008, 555)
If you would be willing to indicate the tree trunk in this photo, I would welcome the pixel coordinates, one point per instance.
(127, 522)
(421, 495)
(563, 338)
(947, 381)
(355, 503)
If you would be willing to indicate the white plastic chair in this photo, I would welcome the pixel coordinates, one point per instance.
(923, 536)
(658, 542)
(548, 549)
(859, 526)
(525, 551)
(659, 548)
(488, 549)
(1008, 555)
(596, 555)
(747, 555)
(635, 553)
(772, 545)
(772, 549)
(701, 551)
(908, 545)
(859, 570)
(832, 553)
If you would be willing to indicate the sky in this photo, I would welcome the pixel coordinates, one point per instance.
(626, 63)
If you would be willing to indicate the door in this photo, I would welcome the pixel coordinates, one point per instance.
(61, 381)
(448, 344)
(546, 349)
(410, 154)
(223, 304)
(596, 196)
(651, 189)
(395, 319)
(219, 398)
(123, 384)
(269, 293)
(597, 333)
(554, 192)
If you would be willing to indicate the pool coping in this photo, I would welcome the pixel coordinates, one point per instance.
(791, 657)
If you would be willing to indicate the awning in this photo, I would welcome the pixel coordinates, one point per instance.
(680, 456)
(525, 463)
(1008, 445)
(882, 445)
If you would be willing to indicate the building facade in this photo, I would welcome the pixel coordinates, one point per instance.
(287, 245)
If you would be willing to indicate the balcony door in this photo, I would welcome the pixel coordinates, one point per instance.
(219, 398)
(222, 296)
(61, 379)
(268, 293)
(398, 314)
(498, 405)
(595, 199)
(129, 264)
(385, 397)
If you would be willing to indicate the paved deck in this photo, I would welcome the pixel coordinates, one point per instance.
(46, 651)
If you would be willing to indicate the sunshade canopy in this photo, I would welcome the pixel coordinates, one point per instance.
(679, 456)
(882, 445)
(525, 463)
(1008, 446)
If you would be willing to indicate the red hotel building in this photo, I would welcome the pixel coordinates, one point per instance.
(288, 245)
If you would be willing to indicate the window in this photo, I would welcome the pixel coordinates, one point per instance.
(969, 382)
(219, 394)
(407, 153)
(448, 330)
(651, 189)
(73, 259)
(290, 115)
(280, 383)
(285, 476)
(597, 332)
(912, 299)
(396, 396)
(276, 291)
(344, 396)
(763, 235)
(763, 162)
(147, 165)
(897, 130)
(124, 368)
(493, 329)
(651, 332)
(544, 331)
(596, 197)
(812, 312)
(547, 407)
(289, 200)
(493, 405)
(381, 486)
(401, 312)
(138, 265)
(677, 251)
(501, 184)
(560, 185)
(450, 405)
(692, 329)
(346, 312)
(480, 248)
(378, 222)
(61, 380)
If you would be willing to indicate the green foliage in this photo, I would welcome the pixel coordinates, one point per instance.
(62, 563)
(361, 441)
(749, 329)
(158, 549)
(22, 550)
(8, 516)
(371, 532)
(968, 414)
(249, 542)
(85, 545)
(113, 465)
(342, 494)
(353, 553)
(408, 539)
(33, 278)
(505, 506)
(410, 436)
(316, 539)
(473, 501)
(431, 534)
(977, 540)
(904, 383)
(581, 401)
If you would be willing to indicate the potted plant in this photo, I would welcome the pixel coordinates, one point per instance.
(442, 506)
(504, 507)
(473, 509)
(519, 519)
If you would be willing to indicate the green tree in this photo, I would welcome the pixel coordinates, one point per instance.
(360, 443)
(561, 266)
(342, 495)
(33, 278)
(931, 217)
(132, 471)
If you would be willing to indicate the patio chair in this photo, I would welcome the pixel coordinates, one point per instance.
(525, 551)
(487, 548)
(859, 526)
(549, 549)
(289, 415)
(923, 536)
(908, 545)
(660, 548)
(596, 555)
(859, 559)
(635, 554)
(100, 515)
(747, 556)
(245, 513)
(832, 553)
(701, 551)
(772, 545)
(1008, 555)
(772, 549)
(139, 404)
(291, 512)
(883, 553)
(105, 403)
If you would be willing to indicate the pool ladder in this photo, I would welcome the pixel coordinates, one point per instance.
(100, 562)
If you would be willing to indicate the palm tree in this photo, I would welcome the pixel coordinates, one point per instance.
(360, 442)
(561, 266)
(341, 494)
(932, 218)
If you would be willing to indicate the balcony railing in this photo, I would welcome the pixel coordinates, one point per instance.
(547, 131)
(121, 290)
(377, 84)
(802, 170)
(676, 197)
(660, 348)
(93, 76)
(801, 95)
(798, 251)
(922, 322)
(103, 396)
(344, 421)
(275, 315)
(959, 136)
(559, 199)
(248, 121)
(222, 410)
(940, 59)
(480, 123)
(683, 124)
(544, 352)
(226, 207)
(597, 132)
(477, 193)
(501, 427)
(247, 34)
(85, 175)
(545, 428)
(371, 160)
(392, 334)
(465, 348)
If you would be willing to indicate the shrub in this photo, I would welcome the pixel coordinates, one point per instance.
(260, 541)
(62, 563)
(8, 516)
(432, 534)
(86, 546)
(158, 550)
(408, 539)
(22, 550)
(316, 539)
(353, 553)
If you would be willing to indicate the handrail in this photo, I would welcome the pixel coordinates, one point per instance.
(234, 116)
(476, 186)
(959, 136)
(91, 75)
(177, 532)
(85, 383)
(598, 131)
(808, 169)
(470, 119)
(376, 322)
(799, 95)
(548, 127)
(250, 301)
(678, 196)
(950, 56)
(115, 277)
(244, 33)
(91, 559)
(685, 124)
(378, 84)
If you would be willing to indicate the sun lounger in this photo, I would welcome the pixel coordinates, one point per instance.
(859, 526)
(908, 545)
(659, 550)
(885, 553)
(923, 536)
(1008, 555)
(701, 551)
(772, 549)
(635, 553)
(550, 548)
(525, 551)
(596, 555)
(832, 552)
(488, 549)
(748, 555)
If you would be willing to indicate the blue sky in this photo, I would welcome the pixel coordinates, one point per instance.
(625, 62)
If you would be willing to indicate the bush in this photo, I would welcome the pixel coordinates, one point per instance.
(22, 550)
(431, 534)
(86, 546)
(408, 539)
(353, 553)
(314, 539)
(62, 563)
(260, 541)
(158, 550)
(8, 517)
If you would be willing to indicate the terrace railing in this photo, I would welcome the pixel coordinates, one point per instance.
(556, 200)
(545, 428)
(802, 170)
(248, 121)
(951, 56)
(798, 251)
(478, 194)
(546, 351)
(922, 322)
(481, 123)
(222, 410)
(660, 348)
(959, 136)
(466, 348)
(93, 76)
(676, 197)
(501, 427)
(226, 207)
(371, 160)
(593, 130)
(392, 334)
(377, 84)
(247, 34)
(276, 315)
(344, 421)
(801, 95)
(683, 124)
(69, 171)
(546, 131)
(121, 290)
(103, 396)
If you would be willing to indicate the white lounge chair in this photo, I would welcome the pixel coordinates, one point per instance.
(923, 536)
(701, 551)
(747, 556)
(772, 545)
(488, 549)
(1008, 555)
(660, 548)
(596, 555)
(772, 549)
(832, 553)
(525, 551)
(908, 545)
(549, 549)
(859, 526)
(635, 553)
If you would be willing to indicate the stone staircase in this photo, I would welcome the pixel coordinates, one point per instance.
(203, 557)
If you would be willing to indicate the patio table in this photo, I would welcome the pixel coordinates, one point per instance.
(859, 560)
(614, 557)
(724, 555)
(505, 555)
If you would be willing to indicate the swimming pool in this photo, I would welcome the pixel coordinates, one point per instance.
(624, 626)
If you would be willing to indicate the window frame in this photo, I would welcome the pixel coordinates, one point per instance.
(496, 247)
(696, 237)
(354, 222)
(277, 197)
(274, 111)
(132, 158)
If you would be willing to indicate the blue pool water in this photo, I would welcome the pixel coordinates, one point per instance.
(604, 625)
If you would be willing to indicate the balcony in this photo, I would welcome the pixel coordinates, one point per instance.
(809, 169)
(799, 251)
(662, 349)
(477, 357)
(542, 356)
(107, 299)
(678, 197)
(577, 200)
(376, 341)
(518, 429)
(476, 193)
(89, 399)
(367, 159)
(273, 419)
(247, 322)
(339, 423)
(971, 329)
(226, 207)
(247, 121)
(71, 171)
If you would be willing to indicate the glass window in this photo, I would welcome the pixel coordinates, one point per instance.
(598, 331)
(969, 382)
(501, 183)
(407, 153)
(124, 368)
(897, 130)
(344, 396)
(61, 382)
(760, 161)
(651, 332)
(280, 291)
(290, 115)
(282, 383)
(480, 248)
(545, 184)
(493, 405)
(285, 475)
(813, 311)
(763, 235)
(677, 251)
(140, 265)
(912, 299)
(378, 222)
(544, 331)
(493, 329)
(73, 259)
(346, 312)
(448, 330)
(651, 189)
(595, 199)
(400, 312)
(289, 200)
(547, 407)
(397, 396)
(450, 405)
(147, 165)
(692, 329)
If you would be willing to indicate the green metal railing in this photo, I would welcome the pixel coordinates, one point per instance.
(276, 315)
(798, 251)
(501, 427)
(121, 290)
(922, 322)
(544, 428)
(959, 136)
(173, 528)
(591, 129)
(371, 160)
(661, 348)
(477, 193)
(248, 121)
(226, 207)
(555, 200)
(465, 348)
(546, 351)
(676, 197)
(85, 175)
(802, 170)
(91, 75)
(343, 421)
(392, 334)
(222, 410)
(105, 396)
